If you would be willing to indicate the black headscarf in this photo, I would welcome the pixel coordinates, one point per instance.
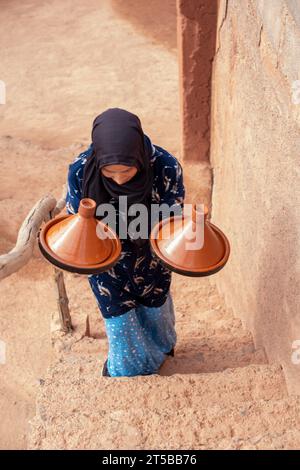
(118, 139)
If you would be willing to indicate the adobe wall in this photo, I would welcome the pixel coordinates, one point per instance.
(255, 151)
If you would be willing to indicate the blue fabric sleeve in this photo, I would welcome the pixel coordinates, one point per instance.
(74, 182)
(73, 196)
(174, 190)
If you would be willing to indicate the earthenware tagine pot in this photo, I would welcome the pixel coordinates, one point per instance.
(73, 242)
(182, 249)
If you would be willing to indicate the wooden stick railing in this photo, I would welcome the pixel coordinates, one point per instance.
(44, 210)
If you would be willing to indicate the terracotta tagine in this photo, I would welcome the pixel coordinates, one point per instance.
(180, 248)
(73, 242)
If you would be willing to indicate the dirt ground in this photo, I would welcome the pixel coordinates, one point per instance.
(63, 63)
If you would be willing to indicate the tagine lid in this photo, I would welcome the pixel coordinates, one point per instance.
(79, 242)
(190, 245)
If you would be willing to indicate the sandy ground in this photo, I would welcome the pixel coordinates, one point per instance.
(63, 63)
(66, 61)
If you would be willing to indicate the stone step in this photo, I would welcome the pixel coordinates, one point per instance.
(259, 424)
(74, 406)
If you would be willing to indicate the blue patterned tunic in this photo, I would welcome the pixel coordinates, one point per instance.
(138, 278)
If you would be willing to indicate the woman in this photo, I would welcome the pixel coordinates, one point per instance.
(134, 296)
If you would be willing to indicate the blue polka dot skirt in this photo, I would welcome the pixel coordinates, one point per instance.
(139, 339)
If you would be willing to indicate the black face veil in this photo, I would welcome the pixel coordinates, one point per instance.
(118, 139)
